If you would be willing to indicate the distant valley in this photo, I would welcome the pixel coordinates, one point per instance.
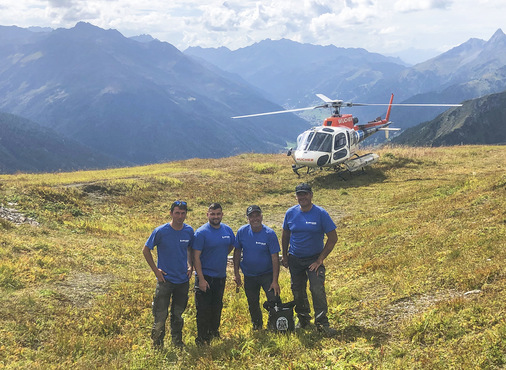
(139, 100)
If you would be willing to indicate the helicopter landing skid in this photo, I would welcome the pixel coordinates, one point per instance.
(296, 169)
(340, 170)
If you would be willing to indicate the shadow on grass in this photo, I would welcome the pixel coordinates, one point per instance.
(346, 180)
(364, 177)
(274, 343)
(353, 332)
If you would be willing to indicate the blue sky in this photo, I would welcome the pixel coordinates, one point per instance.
(413, 29)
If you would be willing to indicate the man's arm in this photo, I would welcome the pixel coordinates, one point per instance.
(237, 261)
(149, 259)
(203, 284)
(329, 245)
(285, 241)
(275, 274)
(190, 262)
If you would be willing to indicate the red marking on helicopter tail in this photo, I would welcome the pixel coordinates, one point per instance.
(389, 108)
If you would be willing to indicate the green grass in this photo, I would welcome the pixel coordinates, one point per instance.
(416, 231)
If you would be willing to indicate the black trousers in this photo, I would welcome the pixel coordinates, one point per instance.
(209, 305)
(252, 285)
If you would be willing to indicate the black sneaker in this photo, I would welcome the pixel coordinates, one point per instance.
(202, 342)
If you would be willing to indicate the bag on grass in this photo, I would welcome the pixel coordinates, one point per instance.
(280, 316)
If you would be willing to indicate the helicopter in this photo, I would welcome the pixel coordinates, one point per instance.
(334, 145)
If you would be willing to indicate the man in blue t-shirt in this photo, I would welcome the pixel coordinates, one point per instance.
(259, 247)
(213, 242)
(304, 228)
(173, 270)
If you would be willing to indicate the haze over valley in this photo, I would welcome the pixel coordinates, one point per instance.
(138, 100)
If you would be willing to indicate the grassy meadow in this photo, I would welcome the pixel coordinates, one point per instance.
(417, 278)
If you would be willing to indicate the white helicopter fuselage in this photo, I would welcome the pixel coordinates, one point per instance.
(335, 144)
(325, 146)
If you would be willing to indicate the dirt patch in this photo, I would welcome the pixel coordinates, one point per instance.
(16, 217)
(80, 288)
(400, 310)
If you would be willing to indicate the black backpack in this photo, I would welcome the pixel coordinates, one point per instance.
(280, 316)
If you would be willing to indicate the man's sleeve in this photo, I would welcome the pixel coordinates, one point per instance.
(273, 243)
(328, 224)
(237, 243)
(152, 240)
(198, 241)
(285, 222)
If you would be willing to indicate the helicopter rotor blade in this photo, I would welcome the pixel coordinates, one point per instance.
(337, 104)
(341, 103)
(405, 105)
(278, 112)
(327, 99)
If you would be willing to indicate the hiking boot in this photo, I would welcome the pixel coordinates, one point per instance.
(158, 346)
(202, 342)
(178, 343)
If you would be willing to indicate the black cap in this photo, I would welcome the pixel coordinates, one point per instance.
(306, 188)
(252, 209)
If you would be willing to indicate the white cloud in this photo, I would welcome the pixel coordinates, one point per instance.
(379, 26)
(421, 5)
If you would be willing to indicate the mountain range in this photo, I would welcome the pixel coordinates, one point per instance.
(138, 100)
(134, 101)
(27, 147)
(292, 73)
(478, 121)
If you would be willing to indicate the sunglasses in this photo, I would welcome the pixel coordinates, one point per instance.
(179, 204)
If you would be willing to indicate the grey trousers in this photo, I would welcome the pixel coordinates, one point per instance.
(300, 274)
(165, 292)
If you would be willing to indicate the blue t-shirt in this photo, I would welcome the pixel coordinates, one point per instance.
(307, 230)
(214, 244)
(172, 247)
(257, 248)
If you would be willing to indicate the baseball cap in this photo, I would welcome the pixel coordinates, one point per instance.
(252, 209)
(306, 188)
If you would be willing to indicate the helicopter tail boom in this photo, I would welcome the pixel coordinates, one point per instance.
(387, 118)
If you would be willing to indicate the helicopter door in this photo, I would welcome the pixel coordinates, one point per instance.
(340, 150)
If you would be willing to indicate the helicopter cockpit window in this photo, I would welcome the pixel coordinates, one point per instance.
(321, 142)
(340, 141)
(304, 139)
